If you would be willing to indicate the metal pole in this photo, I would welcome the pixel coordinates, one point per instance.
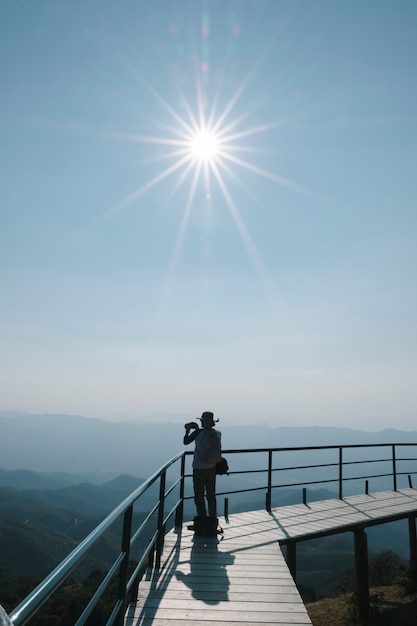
(226, 509)
(340, 473)
(160, 539)
(123, 574)
(269, 491)
(179, 513)
(394, 468)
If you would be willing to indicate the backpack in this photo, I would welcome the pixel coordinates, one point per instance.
(222, 466)
(206, 527)
(209, 446)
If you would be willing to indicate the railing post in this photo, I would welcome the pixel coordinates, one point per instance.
(413, 539)
(394, 468)
(179, 513)
(269, 490)
(123, 574)
(160, 538)
(151, 558)
(340, 473)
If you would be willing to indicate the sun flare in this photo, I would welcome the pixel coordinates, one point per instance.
(204, 146)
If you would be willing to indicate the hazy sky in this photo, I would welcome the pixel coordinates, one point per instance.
(269, 276)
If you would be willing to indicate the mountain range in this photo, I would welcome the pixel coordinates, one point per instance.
(80, 445)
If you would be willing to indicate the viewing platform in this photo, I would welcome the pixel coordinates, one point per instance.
(164, 576)
(242, 577)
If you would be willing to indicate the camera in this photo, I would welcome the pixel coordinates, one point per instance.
(190, 425)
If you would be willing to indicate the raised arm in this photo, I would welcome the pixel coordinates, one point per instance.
(189, 437)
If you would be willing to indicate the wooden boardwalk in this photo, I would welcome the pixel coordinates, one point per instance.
(329, 516)
(242, 578)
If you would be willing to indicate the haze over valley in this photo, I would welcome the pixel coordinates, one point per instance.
(76, 444)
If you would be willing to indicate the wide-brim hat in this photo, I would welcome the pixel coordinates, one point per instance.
(207, 418)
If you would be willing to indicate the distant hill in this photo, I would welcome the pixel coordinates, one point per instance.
(84, 498)
(30, 548)
(39, 527)
(74, 444)
(36, 545)
(78, 445)
(28, 479)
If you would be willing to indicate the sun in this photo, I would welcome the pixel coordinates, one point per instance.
(208, 143)
(205, 142)
(204, 145)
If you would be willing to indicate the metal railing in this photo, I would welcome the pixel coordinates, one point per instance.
(338, 467)
(342, 467)
(150, 556)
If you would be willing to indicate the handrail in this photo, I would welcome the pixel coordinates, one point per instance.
(26, 609)
(151, 555)
(340, 464)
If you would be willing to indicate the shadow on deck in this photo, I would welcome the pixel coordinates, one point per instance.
(239, 578)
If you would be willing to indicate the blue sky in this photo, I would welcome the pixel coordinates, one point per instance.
(273, 281)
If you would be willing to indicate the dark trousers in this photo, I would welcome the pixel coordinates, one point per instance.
(205, 485)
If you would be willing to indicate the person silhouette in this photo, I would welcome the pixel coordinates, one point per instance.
(207, 453)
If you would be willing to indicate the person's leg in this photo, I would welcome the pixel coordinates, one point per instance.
(211, 491)
(199, 480)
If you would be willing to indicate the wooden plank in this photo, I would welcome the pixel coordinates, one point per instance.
(244, 588)
(284, 619)
(236, 606)
(280, 594)
(160, 617)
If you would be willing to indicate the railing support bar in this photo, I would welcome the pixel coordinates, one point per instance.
(269, 489)
(340, 473)
(123, 574)
(179, 514)
(394, 468)
(161, 529)
(151, 558)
